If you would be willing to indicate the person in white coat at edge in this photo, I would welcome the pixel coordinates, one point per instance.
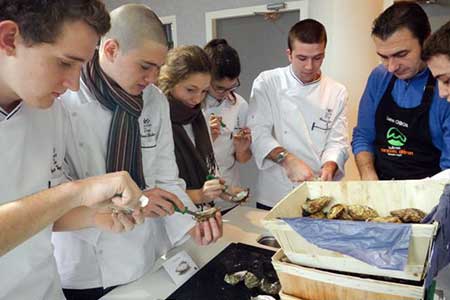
(298, 118)
(43, 45)
(117, 114)
(227, 114)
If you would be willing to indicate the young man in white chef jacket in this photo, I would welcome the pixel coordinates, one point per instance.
(90, 262)
(298, 118)
(43, 45)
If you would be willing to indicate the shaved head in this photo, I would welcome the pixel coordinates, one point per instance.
(132, 25)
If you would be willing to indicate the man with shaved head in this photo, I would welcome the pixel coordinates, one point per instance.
(121, 121)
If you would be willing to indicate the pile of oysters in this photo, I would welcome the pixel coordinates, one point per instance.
(318, 208)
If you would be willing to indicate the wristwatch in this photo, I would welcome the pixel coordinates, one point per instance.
(281, 157)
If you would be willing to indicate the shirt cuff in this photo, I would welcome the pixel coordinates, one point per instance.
(339, 158)
(260, 153)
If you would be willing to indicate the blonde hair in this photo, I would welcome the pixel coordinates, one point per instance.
(182, 62)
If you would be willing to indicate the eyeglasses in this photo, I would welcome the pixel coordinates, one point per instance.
(220, 90)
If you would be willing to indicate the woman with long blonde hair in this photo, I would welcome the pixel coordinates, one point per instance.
(185, 79)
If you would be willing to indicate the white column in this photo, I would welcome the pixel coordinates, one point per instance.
(350, 54)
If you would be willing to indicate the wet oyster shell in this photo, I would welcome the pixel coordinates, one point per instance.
(361, 212)
(336, 211)
(318, 215)
(312, 206)
(206, 214)
(409, 215)
(251, 281)
(234, 278)
(388, 219)
(270, 288)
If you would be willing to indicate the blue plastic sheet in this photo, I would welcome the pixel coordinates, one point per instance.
(440, 254)
(384, 245)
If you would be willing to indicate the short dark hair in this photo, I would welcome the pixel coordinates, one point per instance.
(307, 31)
(40, 21)
(402, 14)
(437, 43)
(224, 59)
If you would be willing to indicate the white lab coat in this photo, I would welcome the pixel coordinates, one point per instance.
(309, 120)
(91, 258)
(32, 147)
(234, 116)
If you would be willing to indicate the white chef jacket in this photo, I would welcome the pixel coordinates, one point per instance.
(92, 258)
(308, 120)
(234, 116)
(32, 153)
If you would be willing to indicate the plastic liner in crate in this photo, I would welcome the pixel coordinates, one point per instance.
(208, 283)
(383, 245)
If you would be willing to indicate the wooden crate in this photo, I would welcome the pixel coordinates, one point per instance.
(383, 196)
(303, 283)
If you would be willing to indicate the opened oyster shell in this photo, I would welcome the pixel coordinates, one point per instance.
(206, 214)
(251, 281)
(270, 288)
(388, 219)
(234, 278)
(312, 206)
(361, 212)
(409, 215)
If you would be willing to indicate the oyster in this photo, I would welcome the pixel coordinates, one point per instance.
(337, 211)
(312, 206)
(361, 212)
(204, 215)
(388, 219)
(234, 278)
(251, 281)
(236, 194)
(270, 288)
(318, 215)
(409, 215)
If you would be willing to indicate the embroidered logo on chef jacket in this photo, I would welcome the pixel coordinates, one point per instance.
(324, 121)
(148, 136)
(56, 170)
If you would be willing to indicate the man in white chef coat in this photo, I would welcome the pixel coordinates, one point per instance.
(298, 117)
(43, 45)
(117, 93)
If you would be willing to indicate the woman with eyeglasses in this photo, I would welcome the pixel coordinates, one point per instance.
(227, 111)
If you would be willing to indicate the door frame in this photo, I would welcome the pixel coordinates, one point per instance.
(172, 20)
(212, 16)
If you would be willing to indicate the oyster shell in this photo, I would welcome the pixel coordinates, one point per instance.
(361, 212)
(270, 288)
(204, 215)
(234, 278)
(409, 215)
(312, 206)
(388, 219)
(318, 215)
(251, 281)
(337, 211)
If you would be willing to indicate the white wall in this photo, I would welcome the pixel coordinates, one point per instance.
(350, 54)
